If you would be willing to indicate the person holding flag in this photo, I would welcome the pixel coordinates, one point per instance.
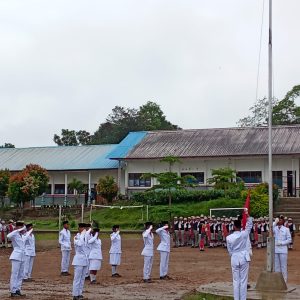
(237, 246)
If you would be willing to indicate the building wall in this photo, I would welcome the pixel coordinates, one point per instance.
(260, 164)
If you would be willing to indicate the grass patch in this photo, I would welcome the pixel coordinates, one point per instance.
(204, 296)
(131, 219)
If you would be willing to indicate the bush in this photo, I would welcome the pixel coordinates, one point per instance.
(161, 196)
(259, 204)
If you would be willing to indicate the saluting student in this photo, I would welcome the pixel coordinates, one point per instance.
(115, 250)
(80, 262)
(65, 246)
(29, 254)
(283, 238)
(95, 256)
(164, 249)
(238, 248)
(17, 258)
(147, 252)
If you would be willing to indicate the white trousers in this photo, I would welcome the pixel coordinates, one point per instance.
(281, 264)
(240, 280)
(65, 260)
(28, 264)
(148, 261)
(16, 277)
(164, 263)
(78, 281)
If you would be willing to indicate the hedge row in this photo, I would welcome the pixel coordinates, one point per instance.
(178, 196)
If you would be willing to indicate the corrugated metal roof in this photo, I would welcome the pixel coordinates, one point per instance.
(59, 157)
(132, 139)
(217, 142)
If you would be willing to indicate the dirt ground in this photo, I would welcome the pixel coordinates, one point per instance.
(188, 268)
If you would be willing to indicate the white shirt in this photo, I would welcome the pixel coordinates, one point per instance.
(282, 237)
(80, 258)
(237, 245)
(164, 235)
(115, 247)
(95, 247)
(18, 242)
(65, 239)
(30, 245)
(148, 238)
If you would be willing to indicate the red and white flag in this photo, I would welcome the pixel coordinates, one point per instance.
(245, 214)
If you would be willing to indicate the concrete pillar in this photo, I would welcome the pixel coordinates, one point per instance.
(89, 191)
(66, 189)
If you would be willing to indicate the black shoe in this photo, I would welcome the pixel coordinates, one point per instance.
(19, 294)
(162, 277)
(248, 286)
(65, 274)
(147, 280)
(93, 282)
(76, 298)
(14, 295)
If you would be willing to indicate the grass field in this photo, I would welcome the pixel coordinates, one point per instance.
(134, 218)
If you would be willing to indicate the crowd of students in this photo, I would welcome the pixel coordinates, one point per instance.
(209, 232)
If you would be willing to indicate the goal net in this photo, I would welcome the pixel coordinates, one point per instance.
(226, 211)
(137, 213)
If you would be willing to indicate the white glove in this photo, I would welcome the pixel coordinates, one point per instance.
(246, 210)
(166, 226)
(279, 244)
(276, 221)
(150, 227)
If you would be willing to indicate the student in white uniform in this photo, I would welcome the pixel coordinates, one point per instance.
(283, 238)
(29, 254)
(147, 252)
(80, 262)
(115, 250)
(238, 248)
(95, 256)
(164, 249)
(65, 246)
(17, 258)
(88, 235)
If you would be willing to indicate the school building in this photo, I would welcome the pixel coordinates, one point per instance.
(199, 151)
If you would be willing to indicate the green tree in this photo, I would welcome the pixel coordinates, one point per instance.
(7, 145)
(285, 111)
(223, 178)
(170, 181)
(78, 187)
(26, 185)
(72, 138)
(151, 117)
(107, 188)
(4, 182)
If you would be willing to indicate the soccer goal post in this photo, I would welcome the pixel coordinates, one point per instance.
(226, 211)
(94, 206)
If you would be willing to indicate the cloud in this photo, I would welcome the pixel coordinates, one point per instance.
(66, 64)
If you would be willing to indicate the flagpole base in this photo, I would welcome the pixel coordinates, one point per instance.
(270, 281)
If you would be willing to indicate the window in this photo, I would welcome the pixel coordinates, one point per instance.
(277, 178)
(59, 189)
(250, 176)
(134, 179)
(198, 175)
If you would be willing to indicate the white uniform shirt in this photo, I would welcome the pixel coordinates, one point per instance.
(115, 247)
(237, 245)
(18, 242)
(164, 235)
(282, 237)
(80, 258)
(95, 247)
(65, 239)
(148, 238)
(30, 245)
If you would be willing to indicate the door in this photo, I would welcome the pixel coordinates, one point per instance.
(291, 183)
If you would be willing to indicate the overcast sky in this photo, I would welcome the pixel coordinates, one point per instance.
(66, 64)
